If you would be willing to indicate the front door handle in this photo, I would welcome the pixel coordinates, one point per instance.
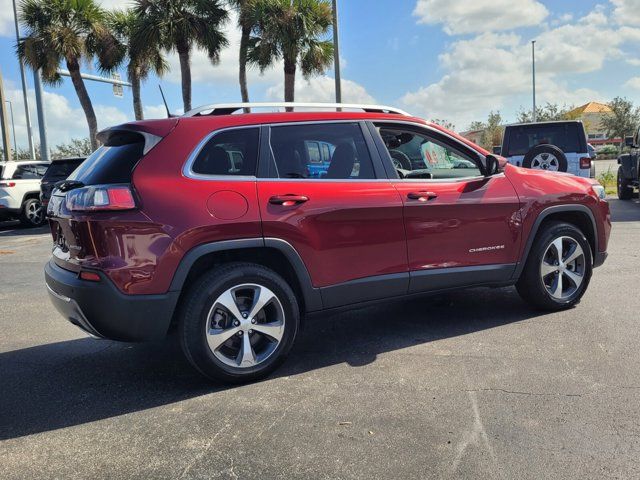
(422, 196)
(288, 200)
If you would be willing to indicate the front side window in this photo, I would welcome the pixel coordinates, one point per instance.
(418, 155)
(231, 152)
(336, 151)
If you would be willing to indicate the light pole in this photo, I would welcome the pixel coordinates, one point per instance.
(336, 52)
(533, 66)
(32, 149)
(13, 125)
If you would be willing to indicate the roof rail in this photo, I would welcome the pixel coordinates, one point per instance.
(229, 108)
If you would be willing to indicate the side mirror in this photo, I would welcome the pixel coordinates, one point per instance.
(629, 141)
(491, 165)
(497, 150)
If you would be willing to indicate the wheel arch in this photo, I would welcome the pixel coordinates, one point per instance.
(35, 194)
(578, 215)
(275, 254)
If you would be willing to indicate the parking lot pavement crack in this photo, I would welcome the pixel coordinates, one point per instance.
(532, 394)
(204, 452)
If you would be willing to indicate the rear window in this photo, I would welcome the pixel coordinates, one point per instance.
(113, 162)
(29, 172)
(566, 136)
(60, 170)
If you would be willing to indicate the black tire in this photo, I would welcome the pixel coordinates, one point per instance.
(625, 192)
(528, 161)
(531, 286)
(32, 214)
(194, 312)
(400, 160)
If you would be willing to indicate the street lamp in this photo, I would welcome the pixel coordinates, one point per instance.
(13, 126)
(533, 65)
(336, 53)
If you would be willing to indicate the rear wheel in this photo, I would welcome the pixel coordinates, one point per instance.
(625, 190)
(239, 322)
(558, 269)
(32, 213)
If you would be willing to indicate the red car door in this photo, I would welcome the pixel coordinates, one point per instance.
(462, 228)
(344, 221)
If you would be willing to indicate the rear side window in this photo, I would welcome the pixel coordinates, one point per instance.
(113, 162)
(231, 152)
(565, 136)
(331, 151)
(29, 172)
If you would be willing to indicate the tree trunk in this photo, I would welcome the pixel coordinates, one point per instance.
(74, 69)
(289, 80)
(137, 100)
(244, 45)
(185, 71)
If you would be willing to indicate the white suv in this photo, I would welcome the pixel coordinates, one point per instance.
(20, 191)
(559, 146)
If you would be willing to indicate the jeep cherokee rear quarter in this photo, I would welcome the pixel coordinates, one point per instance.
(216, 223)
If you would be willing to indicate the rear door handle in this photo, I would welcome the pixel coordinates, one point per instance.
(288, 200)
(422, 196)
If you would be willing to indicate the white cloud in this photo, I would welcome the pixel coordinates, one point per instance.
(626, 12)
(322, 89)
(633, 83)
(154, 111)
(465, 16)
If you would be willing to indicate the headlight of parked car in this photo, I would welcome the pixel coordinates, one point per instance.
(599, 191)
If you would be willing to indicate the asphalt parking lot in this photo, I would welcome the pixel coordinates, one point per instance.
(471, 385)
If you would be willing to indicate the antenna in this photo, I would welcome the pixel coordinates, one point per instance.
(169, 114)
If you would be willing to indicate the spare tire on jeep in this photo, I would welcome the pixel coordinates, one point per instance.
(545, 157)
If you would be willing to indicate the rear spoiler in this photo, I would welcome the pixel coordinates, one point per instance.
(151, 131)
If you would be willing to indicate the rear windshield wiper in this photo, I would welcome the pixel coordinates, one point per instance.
(66, 185)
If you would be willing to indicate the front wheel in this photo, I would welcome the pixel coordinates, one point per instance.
(238, 322)
(558, 269)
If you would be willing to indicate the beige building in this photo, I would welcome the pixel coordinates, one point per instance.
(591, 115)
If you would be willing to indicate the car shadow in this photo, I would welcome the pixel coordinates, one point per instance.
(624, 210)
(69, 383)
(14, 229)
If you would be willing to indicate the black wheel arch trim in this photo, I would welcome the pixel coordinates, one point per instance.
(536, 226)
(312, 298)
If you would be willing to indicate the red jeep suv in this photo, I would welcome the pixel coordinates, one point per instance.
(231, 226)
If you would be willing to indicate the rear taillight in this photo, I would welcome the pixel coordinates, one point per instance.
(585, 162)
(97, 198)
(7, 184)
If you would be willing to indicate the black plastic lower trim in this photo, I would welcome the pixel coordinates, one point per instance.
(365, 289)
(460, 277)
(102, 310)
(599, 259)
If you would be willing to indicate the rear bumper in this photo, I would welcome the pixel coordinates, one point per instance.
(101, 310)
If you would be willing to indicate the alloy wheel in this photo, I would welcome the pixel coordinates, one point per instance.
(546, 161)
(245, 325)
(34, 213)
(563, 267)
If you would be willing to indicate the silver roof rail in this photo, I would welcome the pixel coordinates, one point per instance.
(229, 108)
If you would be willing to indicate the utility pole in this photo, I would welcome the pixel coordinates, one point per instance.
(533, 58)
(6, 142)
(42, 122)
(27, 115)
(13, 126)
(336, 52)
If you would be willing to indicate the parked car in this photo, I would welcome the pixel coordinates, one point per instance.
(20, 192)
(552, 146)
(158, 229)
(629, 168)
(59, 170)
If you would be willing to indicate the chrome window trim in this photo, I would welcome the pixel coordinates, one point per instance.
(187, 168)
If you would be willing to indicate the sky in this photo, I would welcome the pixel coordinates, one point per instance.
(455, 60)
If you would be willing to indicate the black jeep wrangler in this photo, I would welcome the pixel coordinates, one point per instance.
(628, 179)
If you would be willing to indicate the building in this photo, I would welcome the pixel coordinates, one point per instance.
(591, 115)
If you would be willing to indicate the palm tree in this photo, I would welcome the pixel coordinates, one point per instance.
(142, 58)
(66, 31)
(246, 26)
(291, 30)
(178, 25)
